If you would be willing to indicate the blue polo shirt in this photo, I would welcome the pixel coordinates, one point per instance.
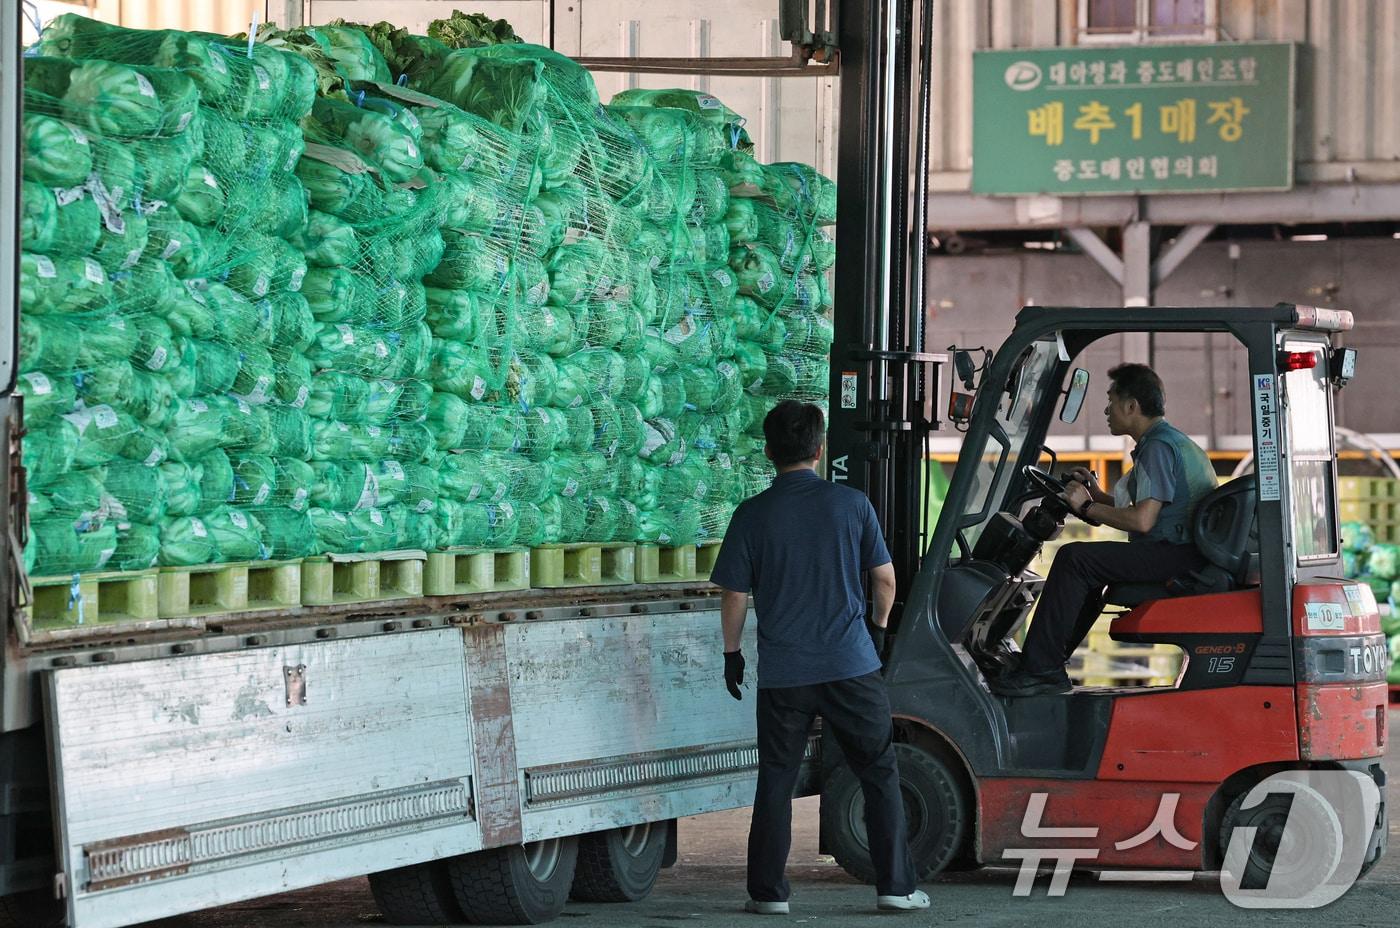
(800, 547)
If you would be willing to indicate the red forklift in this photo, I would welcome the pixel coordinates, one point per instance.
(1283, 660)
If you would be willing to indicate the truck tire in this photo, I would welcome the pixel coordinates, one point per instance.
(935, 808)
(520, 885)
(417, 895)
(619, 865)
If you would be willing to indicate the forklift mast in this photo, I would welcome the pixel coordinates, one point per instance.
(884, 384)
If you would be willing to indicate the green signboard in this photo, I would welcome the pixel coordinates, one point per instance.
(1142, 119)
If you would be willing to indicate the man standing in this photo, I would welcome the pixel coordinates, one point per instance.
(801, 547)
(1153, 504)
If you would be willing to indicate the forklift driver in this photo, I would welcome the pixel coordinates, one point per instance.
(1153, 503)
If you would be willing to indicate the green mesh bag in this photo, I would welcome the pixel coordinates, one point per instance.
(180, 488)
(45, 397)
(236, 533)
(56, 153)
(376, 137)
(61, 285)
(61, 548)
(186, 541)
(201, 199)
(138, 547)
(139, 492)
(287, 533)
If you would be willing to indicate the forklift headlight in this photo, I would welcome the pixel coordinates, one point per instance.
(1343, 366)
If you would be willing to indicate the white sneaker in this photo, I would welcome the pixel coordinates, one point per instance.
(768, 908)
(916, 900)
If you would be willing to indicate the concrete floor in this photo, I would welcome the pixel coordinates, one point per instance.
(706, 888)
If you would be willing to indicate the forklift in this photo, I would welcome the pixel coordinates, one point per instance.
(1283, 660)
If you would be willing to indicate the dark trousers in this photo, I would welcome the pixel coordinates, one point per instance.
(858, 713)
(1073, 594)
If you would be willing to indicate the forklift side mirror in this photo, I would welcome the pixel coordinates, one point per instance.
(1074, 396)
(966, 369)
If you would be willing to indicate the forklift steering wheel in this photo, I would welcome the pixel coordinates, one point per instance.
(1044, 481)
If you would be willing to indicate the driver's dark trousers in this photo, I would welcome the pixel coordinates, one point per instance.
(857, 712)
(1073, 595)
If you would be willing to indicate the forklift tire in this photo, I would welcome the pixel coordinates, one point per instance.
(935, 809)
(417, 895)
(1269, 817)
(619, 865)
(519, 885)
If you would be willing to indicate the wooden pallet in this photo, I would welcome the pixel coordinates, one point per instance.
(219, 589)
(464, 571)
(106, 598)
(371, 578)
(559, 566)
(667, 564)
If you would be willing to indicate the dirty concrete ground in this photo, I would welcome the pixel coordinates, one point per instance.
(706, 889)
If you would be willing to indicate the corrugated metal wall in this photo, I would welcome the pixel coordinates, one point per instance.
(1349, 67)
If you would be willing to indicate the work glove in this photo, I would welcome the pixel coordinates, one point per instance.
(734, 672)
(877, 635)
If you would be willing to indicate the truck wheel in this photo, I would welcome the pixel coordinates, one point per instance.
(934, 808)
(417, 895)
(520, 885)
(619, 865)
(32, 909)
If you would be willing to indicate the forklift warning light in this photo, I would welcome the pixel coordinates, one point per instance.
(1323, 319)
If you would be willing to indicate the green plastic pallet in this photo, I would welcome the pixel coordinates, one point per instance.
(705, 558)
(94, 599)
(666, 563)
(557, 566)
(206, 589)
(326, 582)
(463, 571)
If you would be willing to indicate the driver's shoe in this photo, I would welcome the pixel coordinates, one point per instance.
(1030, 683)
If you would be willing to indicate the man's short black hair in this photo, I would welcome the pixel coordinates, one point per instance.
(1140, 382)
(794, 432)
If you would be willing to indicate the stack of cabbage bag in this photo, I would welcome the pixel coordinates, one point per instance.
(159, 299)
(345, 289)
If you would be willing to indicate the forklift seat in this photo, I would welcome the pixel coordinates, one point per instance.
(1225, 529)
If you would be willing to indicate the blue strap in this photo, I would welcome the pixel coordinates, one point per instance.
(75, 598)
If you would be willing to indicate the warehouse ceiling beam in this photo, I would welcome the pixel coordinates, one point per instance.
(966, 212)
(1095, 247)
(1179, 250)
(794, 65)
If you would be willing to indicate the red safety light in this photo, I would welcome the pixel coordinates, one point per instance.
(1298, 360)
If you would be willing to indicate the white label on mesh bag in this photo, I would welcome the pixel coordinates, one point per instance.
(507, 510)
(155, 457)
(43, 265)
(570, 488)
(38, 384)
(373, 431)
(171, 247)
(80, 419)
(259, 394)
(210, 180)
(144, 85)
(263, 493)
(216, 61)
(376, 517)
(243, 407)
(157, 359)
(766, 282)
(199, 406)
(707, 102)
(238, 519)
(264, 82)
(184, 121)
(478, 388)
(69, 196)
(475, 492)
(197, 527)
(538, 294)
(500, 494)
(663, 538)
(603, 504)
(132, 257)
(104, 416)
(261, 285)
(299, 499)
(104, 556)
(701, 489)
(79, 135)
(381, 350)
(369, 494)
(303, 393)
(294, 282)
(347, 334)
(93, 272)
(723, 277)
(424, 505)
(394, 469)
